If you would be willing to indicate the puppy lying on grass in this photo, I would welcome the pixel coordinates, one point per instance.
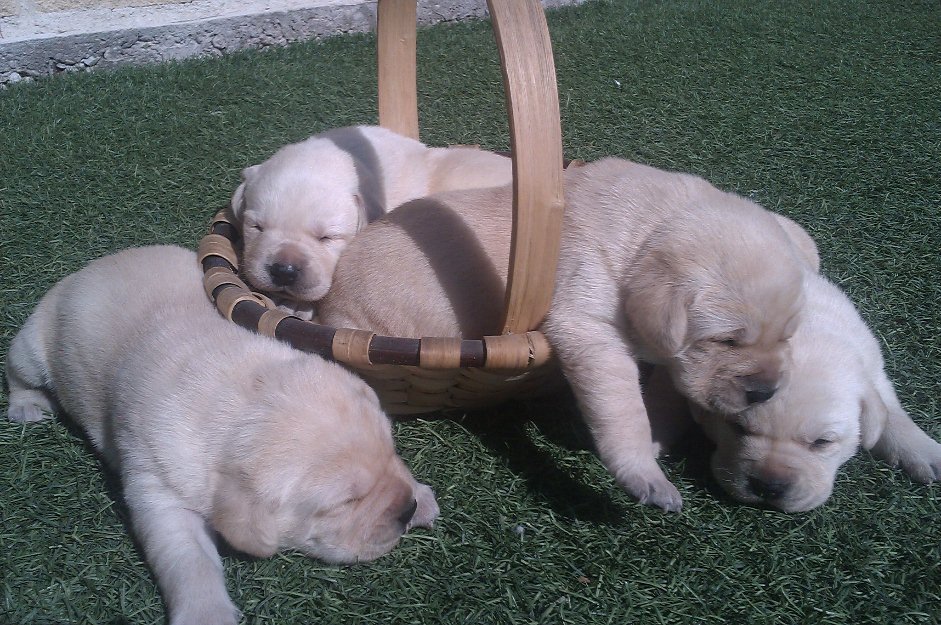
(302, 206)
(653, 265)
(211, 427)
(785, 452)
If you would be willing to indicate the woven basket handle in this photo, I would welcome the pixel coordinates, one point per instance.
(535, 134)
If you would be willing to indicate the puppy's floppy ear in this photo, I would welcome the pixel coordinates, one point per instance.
(656, 306)
(882, 412)
(873, 416)
(806, 247)
(242, 519)
(237, 203)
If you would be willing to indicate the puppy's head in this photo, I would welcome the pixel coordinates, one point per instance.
(714, 297)
(316, 470)
(785, 452)
(298, 210)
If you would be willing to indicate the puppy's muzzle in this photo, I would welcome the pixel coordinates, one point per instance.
(758, 396)
(768, 489)
(758, 390)
(284, 274)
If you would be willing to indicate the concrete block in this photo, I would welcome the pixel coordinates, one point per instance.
(8, 8)
(52, 6)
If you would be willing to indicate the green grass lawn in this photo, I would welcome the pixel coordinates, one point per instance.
(829, 112)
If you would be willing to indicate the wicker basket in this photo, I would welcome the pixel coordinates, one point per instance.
(414, 375)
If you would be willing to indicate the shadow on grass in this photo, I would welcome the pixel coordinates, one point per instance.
(115, 491)
(507, 431)
(510, 431)
(111, 478)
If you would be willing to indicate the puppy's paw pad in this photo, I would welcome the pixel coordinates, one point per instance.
(427, 510)
(26, 413)
(924, 472)
(923, 465)
(223, 614)
(655, 491)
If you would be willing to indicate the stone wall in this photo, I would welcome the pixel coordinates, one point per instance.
(43, 37)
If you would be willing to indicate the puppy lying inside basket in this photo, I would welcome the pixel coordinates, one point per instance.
(299, 209)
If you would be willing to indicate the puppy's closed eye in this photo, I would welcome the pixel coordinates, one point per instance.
(331, 238)
(820, 444)
(253, 224)
(734, 338)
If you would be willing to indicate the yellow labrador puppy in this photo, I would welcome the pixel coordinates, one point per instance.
(785, 452)
(654, 265)
(211, 427)
(301, 207)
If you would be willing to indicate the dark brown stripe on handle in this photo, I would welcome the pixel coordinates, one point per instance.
(391, 350)
(309, 337)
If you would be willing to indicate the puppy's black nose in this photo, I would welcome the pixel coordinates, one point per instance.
(408, 512)
(768, 490)
(283, 274)
(758, 395)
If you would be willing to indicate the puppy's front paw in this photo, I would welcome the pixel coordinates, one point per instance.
(28, 407)
(650, 486)
(306, 311)
(220, 613)
(923, 461)
(427, 510)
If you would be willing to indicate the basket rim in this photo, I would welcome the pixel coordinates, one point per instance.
(234, 299)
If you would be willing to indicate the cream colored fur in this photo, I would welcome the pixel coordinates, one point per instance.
(211, 427)
(301, 207)
(654, 265)
(786, 451)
